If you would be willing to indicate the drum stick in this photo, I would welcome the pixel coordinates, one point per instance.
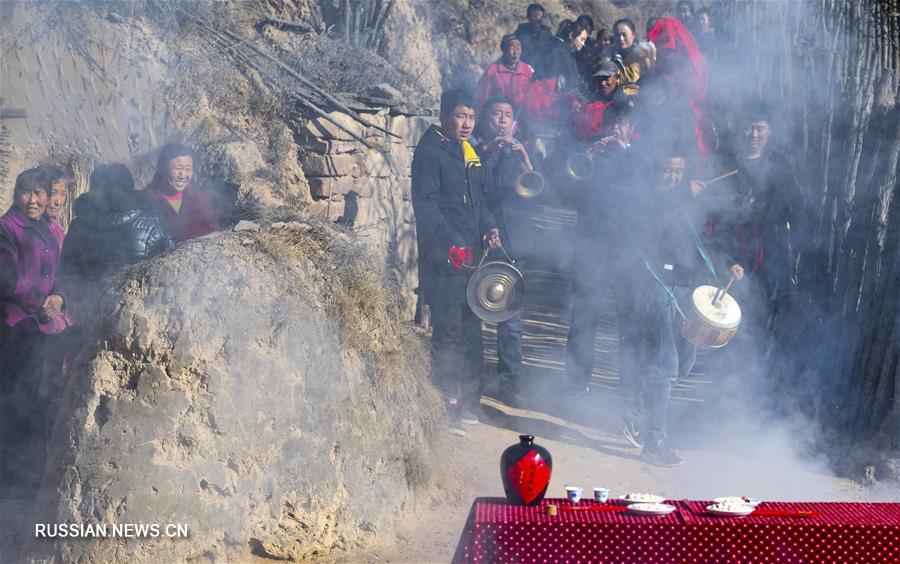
(721, 293)
(722, 177)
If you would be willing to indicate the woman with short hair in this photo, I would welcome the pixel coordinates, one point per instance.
(634, 58)
(186, 208)
(31, 310)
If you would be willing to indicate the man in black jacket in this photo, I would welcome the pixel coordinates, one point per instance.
(453, 229)
(535, 36)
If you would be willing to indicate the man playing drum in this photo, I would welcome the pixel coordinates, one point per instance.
(665, 261)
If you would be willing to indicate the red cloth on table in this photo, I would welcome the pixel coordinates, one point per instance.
(842, 532)
(681, 64)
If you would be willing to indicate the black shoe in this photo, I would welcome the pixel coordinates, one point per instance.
(632, 435)
(512, 397)
(468, 417)
(456, 428)
(660, 454)
(575, 391)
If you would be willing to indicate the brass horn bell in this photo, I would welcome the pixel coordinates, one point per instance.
(530, 184)
(579, 166)
(496, 291)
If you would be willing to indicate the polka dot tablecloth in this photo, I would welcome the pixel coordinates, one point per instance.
(839, 532)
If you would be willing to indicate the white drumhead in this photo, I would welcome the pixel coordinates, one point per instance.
(726, 312)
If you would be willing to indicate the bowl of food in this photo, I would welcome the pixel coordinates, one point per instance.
(651, 508)
(730, 509)
(634, 497)
(752, 501)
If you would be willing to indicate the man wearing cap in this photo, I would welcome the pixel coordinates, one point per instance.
(507, 77)
(534, 35)
(589, 120)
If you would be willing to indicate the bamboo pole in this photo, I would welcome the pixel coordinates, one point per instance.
(266, 74)
(294, 73)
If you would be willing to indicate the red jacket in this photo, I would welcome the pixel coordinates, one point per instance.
(196, 216)
(500, 80)
(543, 104)
(589, 121)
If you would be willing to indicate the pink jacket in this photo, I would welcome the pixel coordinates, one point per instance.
(500, 80)
(29, 265)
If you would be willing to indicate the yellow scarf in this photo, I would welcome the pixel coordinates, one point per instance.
(469, 154)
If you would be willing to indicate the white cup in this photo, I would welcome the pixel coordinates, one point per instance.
(601, 494)
(573, 493)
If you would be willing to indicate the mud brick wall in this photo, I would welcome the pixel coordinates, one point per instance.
(369, 189)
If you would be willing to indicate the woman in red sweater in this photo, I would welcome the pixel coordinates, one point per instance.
(186, 208)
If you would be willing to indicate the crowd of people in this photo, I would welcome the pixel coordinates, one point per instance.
(650, 229)
(50, 281)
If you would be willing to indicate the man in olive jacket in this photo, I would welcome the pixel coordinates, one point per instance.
(453, 229)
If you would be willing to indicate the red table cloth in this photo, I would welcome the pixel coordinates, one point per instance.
(839, 532)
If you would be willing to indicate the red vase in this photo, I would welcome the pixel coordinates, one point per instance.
(525, 469)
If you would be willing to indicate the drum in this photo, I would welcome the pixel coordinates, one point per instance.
(707, 324)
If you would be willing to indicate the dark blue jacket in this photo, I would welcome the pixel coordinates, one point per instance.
(450, 211)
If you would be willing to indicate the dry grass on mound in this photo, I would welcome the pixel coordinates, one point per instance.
(364, 303)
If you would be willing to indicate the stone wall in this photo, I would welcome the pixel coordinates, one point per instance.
(369, 189)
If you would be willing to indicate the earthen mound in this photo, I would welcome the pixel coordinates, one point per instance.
(260, 388)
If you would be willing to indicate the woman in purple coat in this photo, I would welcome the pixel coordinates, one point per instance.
(31, 310)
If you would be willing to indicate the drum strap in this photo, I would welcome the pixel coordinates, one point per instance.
(705, 255)
(669, 292)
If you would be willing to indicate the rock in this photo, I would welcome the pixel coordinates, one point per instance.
(320, 146)
(410, 128)
(386, 91)
(328, 165)
(374, 164)
(235, 161)
(244, 392)
(244, 225)
(322, 188)
(324, 129)
(401, 157)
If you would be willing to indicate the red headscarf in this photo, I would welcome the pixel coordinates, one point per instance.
(681, 64)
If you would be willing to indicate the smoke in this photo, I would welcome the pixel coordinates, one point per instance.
(766, 403)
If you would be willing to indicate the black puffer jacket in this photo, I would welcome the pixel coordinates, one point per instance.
(449, 211)
(111, 231)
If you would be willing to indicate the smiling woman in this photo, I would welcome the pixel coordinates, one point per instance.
(31, 309)
(187, 209)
